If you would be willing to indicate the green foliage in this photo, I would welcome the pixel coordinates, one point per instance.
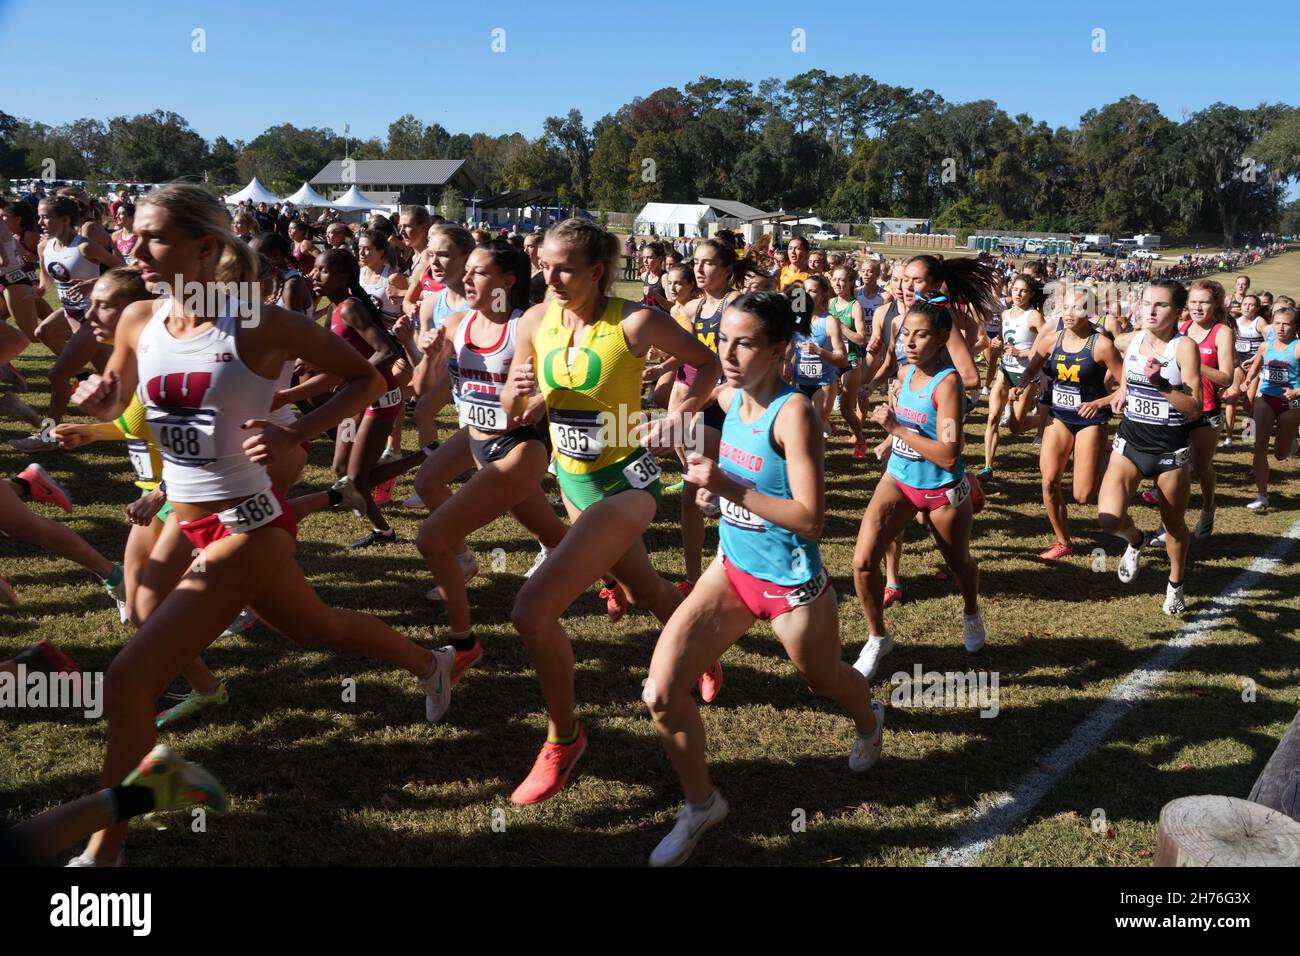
(451, 206)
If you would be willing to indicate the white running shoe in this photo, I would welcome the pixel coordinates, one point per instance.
(537, 563)
(872, 652)
(1174, 600)
(866, 750)
(1259, 505)
(1158, 540)
(1006, 416)
(413, 503)
(85, 859)
(1128, 564)
(972, 631)
(437, 684)
(692, 822)
(1226, 443)
(390, 454)
(353, 499)
(468, 565)
(984, 391)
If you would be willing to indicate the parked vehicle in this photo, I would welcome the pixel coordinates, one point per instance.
(823, 235)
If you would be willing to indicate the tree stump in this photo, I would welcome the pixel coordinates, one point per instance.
(1225, 831)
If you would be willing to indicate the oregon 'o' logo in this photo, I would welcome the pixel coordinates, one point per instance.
(581, 377)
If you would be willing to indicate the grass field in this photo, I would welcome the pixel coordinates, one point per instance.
(317, 780)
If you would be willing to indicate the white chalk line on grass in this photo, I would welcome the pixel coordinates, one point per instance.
(1004, 810)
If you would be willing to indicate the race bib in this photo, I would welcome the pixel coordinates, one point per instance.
(1065, 396)
(137, 450)
(488, 418)
(1117, 446)
(1276, 374)
(642, 472)
(578, 436)
(251, 513)
(1147, 408)
(389, 398)
(810, 368)
(184, 439)
(958, 492)
(903, 450)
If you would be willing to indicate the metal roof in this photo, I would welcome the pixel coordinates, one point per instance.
(737, 210)
(405, 172)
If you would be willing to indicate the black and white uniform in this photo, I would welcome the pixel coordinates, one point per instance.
(66, 266)
(390, 308)
(478, 374)
(1248, 341)
(1153, 435)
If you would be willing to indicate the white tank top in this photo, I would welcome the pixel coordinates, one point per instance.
(197, 394)
(67, 265)
(378, 291)
(15, 270)
(1019, 334)
(479, 373)
(1144, 404)
(1248, 338)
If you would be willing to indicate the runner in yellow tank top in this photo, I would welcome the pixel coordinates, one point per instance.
(580, 357)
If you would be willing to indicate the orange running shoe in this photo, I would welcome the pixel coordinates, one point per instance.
(45, 488)
(464, 661)
(1057, 550)
(615, 602)
(711, 683)
(384, 491)
(551, 771)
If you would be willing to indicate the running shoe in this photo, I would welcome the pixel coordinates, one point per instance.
(86, 860)
(177, 783)
(860, 449)
(711, 683)
(551, 770)
(413, 503)
(373, 538)
(686, 587)
(383, 493)
(615, 602)
(33, 443)
(984, 391)
(46, 658)
(866, 750)
(972, 631)
(1128, 564)
(872, 651)
(242, 623)
(117, 592)
(1056, 551)
(1227, 442)
(986, 472)
(468, 566)
(464, 661)
(436, 684)
(1259, 505)
(1174, 600)
(675, 488)
(1204, 525)
(191, 704)
(1151, 498)
(893, 595)
(8, 596)
(1037, 442)
(45, 488)
(692, 823)
(537, 562)
(1006, 416)
(353, 499)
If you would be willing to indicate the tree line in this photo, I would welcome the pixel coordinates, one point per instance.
(846, 147)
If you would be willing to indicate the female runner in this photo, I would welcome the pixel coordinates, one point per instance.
(1277, 406)
(1021, 325)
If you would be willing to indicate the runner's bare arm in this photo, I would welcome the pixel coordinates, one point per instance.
(646, 328)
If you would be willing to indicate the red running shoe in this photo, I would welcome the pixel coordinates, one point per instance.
(860, 450)
(686, 587)
(45, 488)
(1150, 498)
(464, 661)
(615, 602)
(893, 595)
(384, 491)
(711, 683)
(1057, 550)
(551, 771)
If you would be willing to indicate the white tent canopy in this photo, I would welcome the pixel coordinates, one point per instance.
(355, 199)
(254, 191)
(674, 219)
(306, 197)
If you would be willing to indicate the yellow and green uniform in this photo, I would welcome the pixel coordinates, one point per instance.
(592, 390)
(145, 459)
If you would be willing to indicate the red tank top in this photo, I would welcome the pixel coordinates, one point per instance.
(1209, 359)
(354, 338)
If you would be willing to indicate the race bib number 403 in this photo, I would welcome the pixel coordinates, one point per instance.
(488, 418)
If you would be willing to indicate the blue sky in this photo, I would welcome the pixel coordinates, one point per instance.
(76, 58)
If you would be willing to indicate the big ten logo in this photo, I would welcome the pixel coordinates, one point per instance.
(498, 820)
(1247, 690)
(198, 820)
(347, 430)
(1098, 40)
(498, 560)
(798, 40)
(48, 169)
(1098, 823)
(498, 44)
(349, 695)
(948, 171)
(198, 40)
(348, 173)
(798, 820)
(648, 170)
(199, 564)
(1098, 560)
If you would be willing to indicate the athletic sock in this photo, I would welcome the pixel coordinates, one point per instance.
(114, 578)
(1175, 584)
(130, 801)
(463, 642)
(335, 497)
(24, 487)
(577, 729)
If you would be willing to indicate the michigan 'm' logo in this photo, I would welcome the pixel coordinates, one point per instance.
(582, 376)
(1067, 373)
